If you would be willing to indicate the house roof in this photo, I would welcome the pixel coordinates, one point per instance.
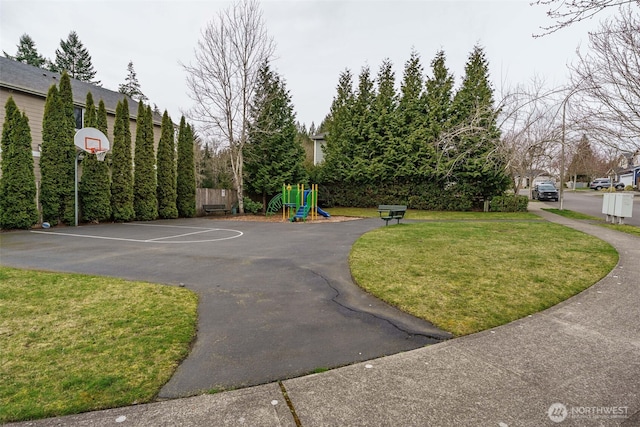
(37, 81)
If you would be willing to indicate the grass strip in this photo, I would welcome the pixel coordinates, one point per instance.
(572, 214)
(437, 215)
(465, 277)
(73, 343)
(624, 228)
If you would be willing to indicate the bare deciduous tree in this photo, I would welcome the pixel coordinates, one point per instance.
(567, 12)
(529, 131)
(222, 80)
(609, 74)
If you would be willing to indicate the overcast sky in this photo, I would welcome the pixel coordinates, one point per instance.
(315, 40)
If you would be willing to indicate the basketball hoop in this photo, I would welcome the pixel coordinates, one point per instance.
(100, 155)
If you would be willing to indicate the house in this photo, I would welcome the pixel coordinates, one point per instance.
(319, 141)
(532, 177)
(628, 169)
(29, 85)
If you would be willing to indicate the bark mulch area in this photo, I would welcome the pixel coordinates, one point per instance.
(278, 218)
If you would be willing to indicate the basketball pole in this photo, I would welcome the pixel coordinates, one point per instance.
(78, 152)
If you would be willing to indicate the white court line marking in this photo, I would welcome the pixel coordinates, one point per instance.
(182, 235)
(156, 240)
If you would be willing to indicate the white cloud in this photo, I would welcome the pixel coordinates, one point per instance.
(315, 40)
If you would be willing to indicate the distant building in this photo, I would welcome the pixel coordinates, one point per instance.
(319, 142)
(628, 169)
(29, 85)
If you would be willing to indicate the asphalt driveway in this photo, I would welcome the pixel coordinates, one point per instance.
(276, 299)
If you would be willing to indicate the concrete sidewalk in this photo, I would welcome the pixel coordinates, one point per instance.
(577, 363)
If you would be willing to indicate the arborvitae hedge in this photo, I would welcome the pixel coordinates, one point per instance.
(145, 202)
(167, 170)
(53, 130)
(122, 176)
(186, 172)
(18, 207)
(67, 153)
(95, 187)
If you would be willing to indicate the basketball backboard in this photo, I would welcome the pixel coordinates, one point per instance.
(91, 140)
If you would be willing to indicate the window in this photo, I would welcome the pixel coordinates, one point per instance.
(77, 115)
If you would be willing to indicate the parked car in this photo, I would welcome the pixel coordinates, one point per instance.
(600, 183)
(545, 192)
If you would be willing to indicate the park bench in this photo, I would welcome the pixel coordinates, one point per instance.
(215, 208)
(389, 212)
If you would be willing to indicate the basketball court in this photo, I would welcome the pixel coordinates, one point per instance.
(276, 300)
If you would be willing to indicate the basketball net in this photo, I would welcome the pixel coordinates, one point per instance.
(100, 155)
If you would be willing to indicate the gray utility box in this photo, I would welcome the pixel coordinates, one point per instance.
(617, 206)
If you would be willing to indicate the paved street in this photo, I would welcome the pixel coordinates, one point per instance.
(590, 203)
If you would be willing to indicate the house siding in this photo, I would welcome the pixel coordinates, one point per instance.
(33, 106)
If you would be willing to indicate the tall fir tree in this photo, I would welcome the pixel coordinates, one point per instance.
(413, 155)
(186, 178)
(28, 53)
(383, 145)
(477, 165)
(340, 132)
(95, 187)
(75, 59)
(145, 201)
(273, 155)
(439, 96)
(122, 166)
(166, 170)
(18, 207)
(131, 86)
(359, 148)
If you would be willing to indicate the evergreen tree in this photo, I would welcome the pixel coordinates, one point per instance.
(95, 188)
(57, 161)
(131, 86)
(122, 176)
(413, 155)
(384, 146)
(186, 179)
(166, 170)
(359, 148)
(475, 164)
(68, 153)
(53, 131)
(74, 58)
(18, 207)
(340, 132)
(273, 155)
(439, 95)
(145, 202)
(27, 53)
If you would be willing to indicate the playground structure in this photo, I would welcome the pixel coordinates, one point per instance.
(297, 203)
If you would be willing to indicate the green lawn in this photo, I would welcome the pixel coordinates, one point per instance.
(72, 343)
(625, 228)
(436, 215)
(466, 277)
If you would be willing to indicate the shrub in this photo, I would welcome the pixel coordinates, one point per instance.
(252, 207)
(509, 203)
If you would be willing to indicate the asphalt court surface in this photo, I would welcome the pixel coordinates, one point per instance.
(276, 300)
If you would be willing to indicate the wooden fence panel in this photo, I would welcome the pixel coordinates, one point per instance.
(214, 196)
